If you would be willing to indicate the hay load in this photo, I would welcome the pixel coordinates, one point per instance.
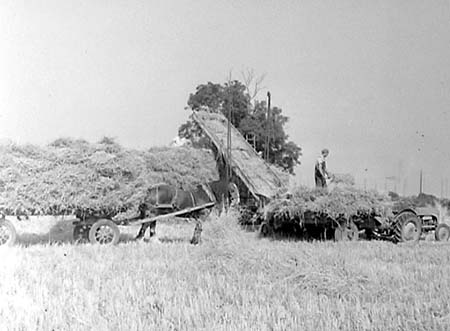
(73, 175)
(340, 201)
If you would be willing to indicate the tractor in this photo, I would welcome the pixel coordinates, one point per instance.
(406, 225)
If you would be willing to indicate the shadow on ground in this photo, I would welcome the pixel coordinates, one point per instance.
(58, 233)
(62, 233)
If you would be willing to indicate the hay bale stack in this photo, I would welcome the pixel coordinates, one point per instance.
(73, 175)
(339, 201)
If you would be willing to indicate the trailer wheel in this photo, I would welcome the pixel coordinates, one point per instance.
(346, 231)
(104, 232)
(407, 227)
(442, 232)
(233, 194)
(8, 233)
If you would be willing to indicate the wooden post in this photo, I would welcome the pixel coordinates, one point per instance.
(421, 182)
(269, 128)
(229, 156)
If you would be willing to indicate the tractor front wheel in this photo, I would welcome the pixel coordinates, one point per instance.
(442, 232)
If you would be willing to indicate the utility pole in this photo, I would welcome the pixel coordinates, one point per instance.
(421, 182)
(269, 129)
(228, 163)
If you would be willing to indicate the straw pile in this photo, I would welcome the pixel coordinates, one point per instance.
(73, 175)
(339, 201)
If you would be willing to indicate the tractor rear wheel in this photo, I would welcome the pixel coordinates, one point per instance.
(442, 232)
(104, 232)
(407, 227)
(8, 233)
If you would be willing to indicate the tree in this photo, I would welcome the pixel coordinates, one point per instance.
(250, 120)
(253, 83)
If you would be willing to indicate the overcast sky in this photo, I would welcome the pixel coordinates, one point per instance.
(369, 80)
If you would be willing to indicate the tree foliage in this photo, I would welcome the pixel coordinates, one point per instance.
(250, 119)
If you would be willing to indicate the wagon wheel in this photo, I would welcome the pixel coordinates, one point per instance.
(104, 232)
(442, 232)
(407, 227)
(234, 195)
(8, 233)
(346, 231)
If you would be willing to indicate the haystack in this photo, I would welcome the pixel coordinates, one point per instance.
(345, 201)
(73, 175)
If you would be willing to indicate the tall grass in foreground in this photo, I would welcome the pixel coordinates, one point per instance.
(233, 281)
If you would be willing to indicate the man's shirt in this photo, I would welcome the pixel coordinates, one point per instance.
(321, 167)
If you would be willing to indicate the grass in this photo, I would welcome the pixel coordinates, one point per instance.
(232, 281)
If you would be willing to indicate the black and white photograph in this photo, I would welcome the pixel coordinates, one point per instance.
(224, 165)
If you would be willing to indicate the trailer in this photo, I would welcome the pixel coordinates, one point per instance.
(103, 228)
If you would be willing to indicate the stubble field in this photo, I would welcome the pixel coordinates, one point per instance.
(234, 280)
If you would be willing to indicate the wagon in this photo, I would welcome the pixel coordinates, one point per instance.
(311, 225)
(101, 228)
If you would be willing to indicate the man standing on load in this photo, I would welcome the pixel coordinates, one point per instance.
(320, 170)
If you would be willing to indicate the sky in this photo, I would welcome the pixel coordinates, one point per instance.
(369, 80)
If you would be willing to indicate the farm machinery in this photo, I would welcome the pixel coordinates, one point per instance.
(406, 225)
(259, 184)
(104, 228)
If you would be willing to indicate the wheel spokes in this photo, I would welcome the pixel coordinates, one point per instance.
(104, 234)
(4, 235)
